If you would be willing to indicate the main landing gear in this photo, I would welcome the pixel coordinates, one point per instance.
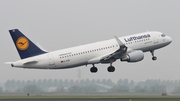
(109, 69)
(93, 69)
(153, 57)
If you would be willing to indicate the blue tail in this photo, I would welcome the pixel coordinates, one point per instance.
(25, 47)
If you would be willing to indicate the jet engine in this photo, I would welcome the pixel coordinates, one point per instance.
(133, 56)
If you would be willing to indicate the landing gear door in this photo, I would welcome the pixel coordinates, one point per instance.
(51, 60)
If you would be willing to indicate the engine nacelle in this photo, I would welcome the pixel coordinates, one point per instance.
(134, 56)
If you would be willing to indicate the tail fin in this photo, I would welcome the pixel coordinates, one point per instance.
(25, 47)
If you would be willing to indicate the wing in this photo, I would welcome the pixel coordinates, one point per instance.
(115, 55)
(111, 57)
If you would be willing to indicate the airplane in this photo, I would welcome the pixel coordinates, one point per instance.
(126, 49)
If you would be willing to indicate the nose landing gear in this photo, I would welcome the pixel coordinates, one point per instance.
(153, 56)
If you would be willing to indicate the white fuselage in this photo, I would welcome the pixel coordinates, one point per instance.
(91, 53)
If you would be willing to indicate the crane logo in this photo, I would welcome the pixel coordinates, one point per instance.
(22, 43)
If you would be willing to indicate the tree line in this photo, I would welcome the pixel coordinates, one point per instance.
(125, 86)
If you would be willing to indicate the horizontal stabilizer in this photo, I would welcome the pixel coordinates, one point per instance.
(8, 63)
(30, 62)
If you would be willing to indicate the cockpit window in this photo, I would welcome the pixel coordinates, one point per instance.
(163, 35)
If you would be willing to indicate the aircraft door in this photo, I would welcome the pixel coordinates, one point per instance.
(51, 60)
(156, 37)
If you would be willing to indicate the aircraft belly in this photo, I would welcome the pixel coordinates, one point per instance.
(152, 47)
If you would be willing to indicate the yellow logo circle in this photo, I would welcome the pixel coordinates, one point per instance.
(22, 43)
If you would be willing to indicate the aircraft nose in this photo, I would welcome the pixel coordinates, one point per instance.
(169, 39)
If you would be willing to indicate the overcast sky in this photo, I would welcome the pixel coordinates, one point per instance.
(58, 24)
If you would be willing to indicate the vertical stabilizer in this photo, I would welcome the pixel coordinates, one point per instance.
(25, 47)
